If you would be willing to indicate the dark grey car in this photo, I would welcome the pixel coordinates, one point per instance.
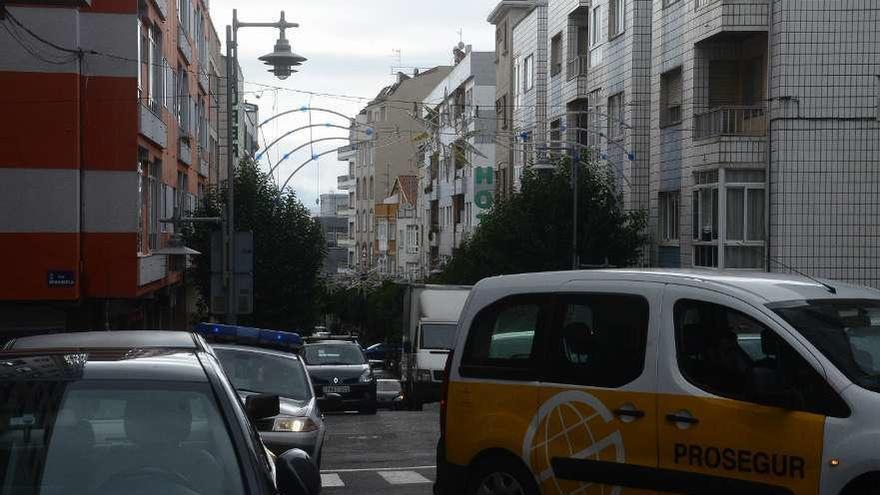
(255, 370)
(341, 376)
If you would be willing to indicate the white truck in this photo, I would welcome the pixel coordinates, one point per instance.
(430, 322)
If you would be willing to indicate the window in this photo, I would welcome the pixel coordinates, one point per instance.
(143, 169)
(667, 3)
(555, 137)
(156, 70)
(615, 116)
(182, 190)
(556, 55)
(501, 112)
(599, 340)
(745, 219)
(616, 18)
(154, 187)
(594, 101)
(670, 97)
(529, 73)
(578, 42)
(730, 354)
(595, 26)
(412, 239)
(382, 114)
(668, 216)
(372, 188)
(517, 85)
(501, 338)
(144, 53)
(183, 15)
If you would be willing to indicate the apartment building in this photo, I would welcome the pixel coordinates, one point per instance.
(399, 229)
(458, 156)
(766, 138)
(505, 16)
(331, 216)
(530, 51)
(110, 135)
(348, 183)
(386, 152)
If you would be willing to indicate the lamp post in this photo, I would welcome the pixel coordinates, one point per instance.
(282, 60)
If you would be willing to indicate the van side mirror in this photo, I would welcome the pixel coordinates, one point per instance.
(262, 406)
(768, 388)
(297, 474)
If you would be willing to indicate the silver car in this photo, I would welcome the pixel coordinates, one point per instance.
(389, 393)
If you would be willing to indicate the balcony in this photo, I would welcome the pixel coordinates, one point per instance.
(152, 127)
(344, 211)
(151, 269)
(345, 242)
(203, 163)
(162, 7)
(185, 46)
(578, 67)
(203, 79)
(185, 153)
(731, 121)
(345, 182)
(715, 17)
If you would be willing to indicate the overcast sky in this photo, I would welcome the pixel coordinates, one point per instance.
(350, 46)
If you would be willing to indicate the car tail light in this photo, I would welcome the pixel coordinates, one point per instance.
(444, 393)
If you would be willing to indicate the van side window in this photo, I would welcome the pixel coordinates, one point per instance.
(502, 339)
(598, 340)
(729, 354)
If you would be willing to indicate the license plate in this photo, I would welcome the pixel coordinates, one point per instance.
(337, 390)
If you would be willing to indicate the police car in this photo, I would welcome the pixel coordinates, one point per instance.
(260, 361)
(626, 381)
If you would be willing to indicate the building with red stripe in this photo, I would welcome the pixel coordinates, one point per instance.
(110, 126)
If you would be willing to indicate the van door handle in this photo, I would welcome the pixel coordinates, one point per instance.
(678, 418)
(629, 413)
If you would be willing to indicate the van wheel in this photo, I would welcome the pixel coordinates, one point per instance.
(865, 484)
(501, 476)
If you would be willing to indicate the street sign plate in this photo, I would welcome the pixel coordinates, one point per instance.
(61, 279)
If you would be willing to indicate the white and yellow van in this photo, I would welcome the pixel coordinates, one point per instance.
(630, 382)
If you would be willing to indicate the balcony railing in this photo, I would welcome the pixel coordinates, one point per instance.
(185, 46)
(578, 66)
(185, 152)
(731, 121)
(152, 126)
(162, 5)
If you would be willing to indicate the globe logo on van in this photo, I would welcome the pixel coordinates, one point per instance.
(572, 424)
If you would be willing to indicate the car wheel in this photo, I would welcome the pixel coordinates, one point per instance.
(501, 476)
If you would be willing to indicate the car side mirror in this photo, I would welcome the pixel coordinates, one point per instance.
(768, 388)
(297, 474)
(262, 406)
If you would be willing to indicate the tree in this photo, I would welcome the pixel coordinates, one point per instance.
(289, 249)
(531, 230)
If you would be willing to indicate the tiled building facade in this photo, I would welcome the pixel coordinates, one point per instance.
(748, 129)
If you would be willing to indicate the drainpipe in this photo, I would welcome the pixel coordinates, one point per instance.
(767, 192)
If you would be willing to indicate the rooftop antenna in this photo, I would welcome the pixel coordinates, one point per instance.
(828, 287)
(460, 36)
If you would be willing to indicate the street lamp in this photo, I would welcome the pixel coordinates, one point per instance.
(282, 60)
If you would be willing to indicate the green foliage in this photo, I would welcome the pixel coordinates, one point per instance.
(530, 231)
(374, 313)
(289, 249)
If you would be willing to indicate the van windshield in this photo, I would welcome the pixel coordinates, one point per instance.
(438, 335)
(847, 332)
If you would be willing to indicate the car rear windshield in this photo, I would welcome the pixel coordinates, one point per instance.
(61, 435)
(847, 332)
(252, 371)
(333, 354)
(438, 336)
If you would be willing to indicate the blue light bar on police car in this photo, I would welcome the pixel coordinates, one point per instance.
(249, 336)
